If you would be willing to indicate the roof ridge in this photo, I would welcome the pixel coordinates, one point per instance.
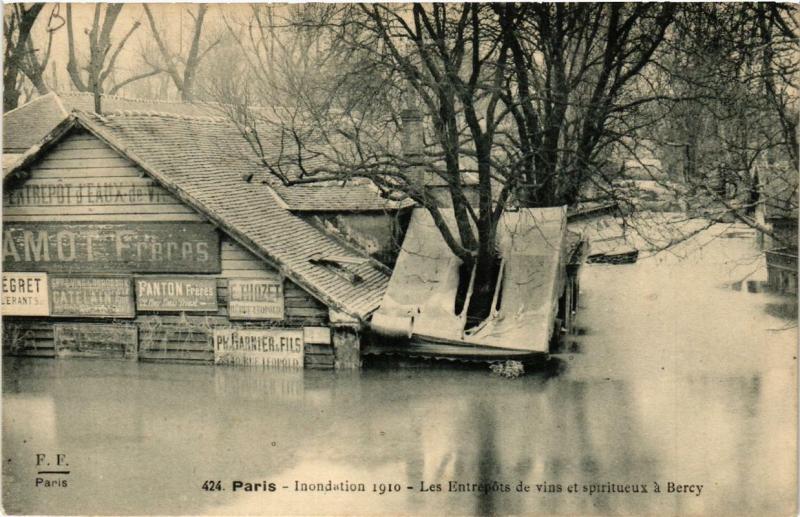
(156, 114)
(130, 99)
(339, 182)
(142, 100)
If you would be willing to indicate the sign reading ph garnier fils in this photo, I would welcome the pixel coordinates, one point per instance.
(25, 294)
(282, 348)
(255, 298)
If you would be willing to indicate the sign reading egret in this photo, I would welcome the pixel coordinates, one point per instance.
(102, 297)
(176, 294)
(256, 298)
(111, 247)
(282, 348)
(25, 294)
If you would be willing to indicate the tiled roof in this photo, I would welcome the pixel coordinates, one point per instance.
(205, 162)
(27, 125)
(337, 197)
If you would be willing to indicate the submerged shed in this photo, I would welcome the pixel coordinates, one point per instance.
(141, 235)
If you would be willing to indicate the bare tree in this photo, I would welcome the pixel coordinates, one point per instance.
(103, 53)
(281, 61)
(17, 26)
(31, 61)
(739, 130)
(527, 98)
(37, 59)
(181, 69)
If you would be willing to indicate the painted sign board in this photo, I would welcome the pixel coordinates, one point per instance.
(96, 340)
(276, 347)
(91, 297)
(87, 192)
(25, 294)
(162, 293)
(317, 335)
(111, 247)
(255, 299)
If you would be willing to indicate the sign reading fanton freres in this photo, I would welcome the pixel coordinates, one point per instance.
(156, 293)
(111, 247)
(256, 298)
(25, 294)
(282, 348)
(102, 297)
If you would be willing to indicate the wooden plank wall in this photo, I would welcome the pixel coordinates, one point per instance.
(183, 337)
(82, 179)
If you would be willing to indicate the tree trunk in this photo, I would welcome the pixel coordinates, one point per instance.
(10, 92)
(487, 269)
(15, 51)
(38, 82)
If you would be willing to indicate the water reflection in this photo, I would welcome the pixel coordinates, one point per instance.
(785, 310)
(676, 381)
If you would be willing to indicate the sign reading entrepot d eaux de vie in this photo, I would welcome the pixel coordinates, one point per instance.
(281, 348)
(255, 298)
(111, 247)
(87, 192)
(154, 293)
(25, 294)
(102, 297)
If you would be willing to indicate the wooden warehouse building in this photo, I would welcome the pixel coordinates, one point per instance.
(155, 236)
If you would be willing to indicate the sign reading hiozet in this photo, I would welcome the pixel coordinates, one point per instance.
(111, 247)
(282, 348)
(256, 298)
(25, 294)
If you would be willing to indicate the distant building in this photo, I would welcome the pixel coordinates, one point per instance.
(777, 210)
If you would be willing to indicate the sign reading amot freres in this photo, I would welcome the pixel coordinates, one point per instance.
(111, 247)
(282, 348)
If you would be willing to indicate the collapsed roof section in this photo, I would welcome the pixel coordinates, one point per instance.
(421, 300)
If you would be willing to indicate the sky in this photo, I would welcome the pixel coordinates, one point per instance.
(174, 20)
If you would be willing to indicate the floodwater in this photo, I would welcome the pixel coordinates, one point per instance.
(685, 374)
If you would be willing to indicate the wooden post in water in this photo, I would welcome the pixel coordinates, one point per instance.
(346, 348)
